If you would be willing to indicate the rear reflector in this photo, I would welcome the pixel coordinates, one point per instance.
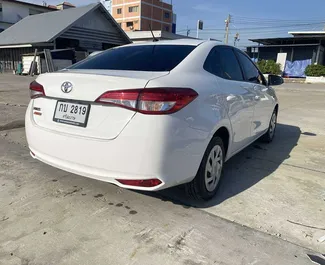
(36, 90)
(155, 101)
(147, 183)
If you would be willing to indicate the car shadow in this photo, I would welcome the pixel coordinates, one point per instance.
(244, 170)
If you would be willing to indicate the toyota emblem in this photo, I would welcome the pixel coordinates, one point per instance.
(66, 87)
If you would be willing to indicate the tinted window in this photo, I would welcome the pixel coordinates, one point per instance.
(222, 62)
(155, 58)
(251, 72)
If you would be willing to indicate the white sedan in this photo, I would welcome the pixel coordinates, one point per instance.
(152, 116)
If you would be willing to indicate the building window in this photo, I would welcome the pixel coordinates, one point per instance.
(129, 24)
(167, 15)
(133, 9)
(119, 11)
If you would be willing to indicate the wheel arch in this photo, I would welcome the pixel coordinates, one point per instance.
(224, 133)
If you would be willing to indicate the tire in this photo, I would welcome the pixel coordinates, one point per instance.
(269, 135)
(200, 188)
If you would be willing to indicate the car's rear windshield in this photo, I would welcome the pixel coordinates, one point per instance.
(156, 58)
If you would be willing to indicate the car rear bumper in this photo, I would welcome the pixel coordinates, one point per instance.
(150, 147)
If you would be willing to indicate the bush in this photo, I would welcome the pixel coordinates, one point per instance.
(269, 67)
(315, 70)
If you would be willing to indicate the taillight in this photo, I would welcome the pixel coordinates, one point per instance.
(150, 100)
(147, 183)
(36, 90)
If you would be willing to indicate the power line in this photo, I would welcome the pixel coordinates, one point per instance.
(254, 28)
(268, 23)
(249, 27)
(273, 19)
(259, 28)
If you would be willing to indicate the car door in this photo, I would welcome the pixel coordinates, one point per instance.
(263, 102)
(222, 62)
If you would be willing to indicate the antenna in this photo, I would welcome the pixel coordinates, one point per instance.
(153, 36)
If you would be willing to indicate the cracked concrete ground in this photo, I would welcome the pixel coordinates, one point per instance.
(269, 195)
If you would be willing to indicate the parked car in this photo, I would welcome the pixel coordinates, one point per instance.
(152, 116)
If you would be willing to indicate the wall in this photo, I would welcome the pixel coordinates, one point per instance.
(96, 21)
(9, 58)
(153, 11)
(149, 12)
(300, 53)
(93, 32)
(127, 16)
(304, 53)
(13, 12)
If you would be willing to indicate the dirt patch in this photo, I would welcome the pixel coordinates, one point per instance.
(12, 125)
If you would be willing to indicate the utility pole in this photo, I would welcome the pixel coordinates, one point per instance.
(227, 21)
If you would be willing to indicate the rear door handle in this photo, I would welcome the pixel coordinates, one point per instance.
(231, 97)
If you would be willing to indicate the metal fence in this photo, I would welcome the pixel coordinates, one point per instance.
(10, 58)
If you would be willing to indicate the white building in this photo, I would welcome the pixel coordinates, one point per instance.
(13, 11)
(107, 4)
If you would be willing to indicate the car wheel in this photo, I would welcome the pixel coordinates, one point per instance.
(206, 183)
(269, 135)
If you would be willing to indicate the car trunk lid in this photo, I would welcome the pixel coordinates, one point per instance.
(103, 121)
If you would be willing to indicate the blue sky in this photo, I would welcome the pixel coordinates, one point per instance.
(214, 13)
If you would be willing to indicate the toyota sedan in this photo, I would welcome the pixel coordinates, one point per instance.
(152, 116)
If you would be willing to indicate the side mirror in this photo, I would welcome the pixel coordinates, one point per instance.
(275, 80)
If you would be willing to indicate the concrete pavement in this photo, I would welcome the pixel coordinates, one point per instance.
(271, 186)
(48, 216)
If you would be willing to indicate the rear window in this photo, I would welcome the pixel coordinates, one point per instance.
(156, 58)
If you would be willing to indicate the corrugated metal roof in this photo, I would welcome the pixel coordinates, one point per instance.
(46, 27)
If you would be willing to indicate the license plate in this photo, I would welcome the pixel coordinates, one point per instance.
(71, 113)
